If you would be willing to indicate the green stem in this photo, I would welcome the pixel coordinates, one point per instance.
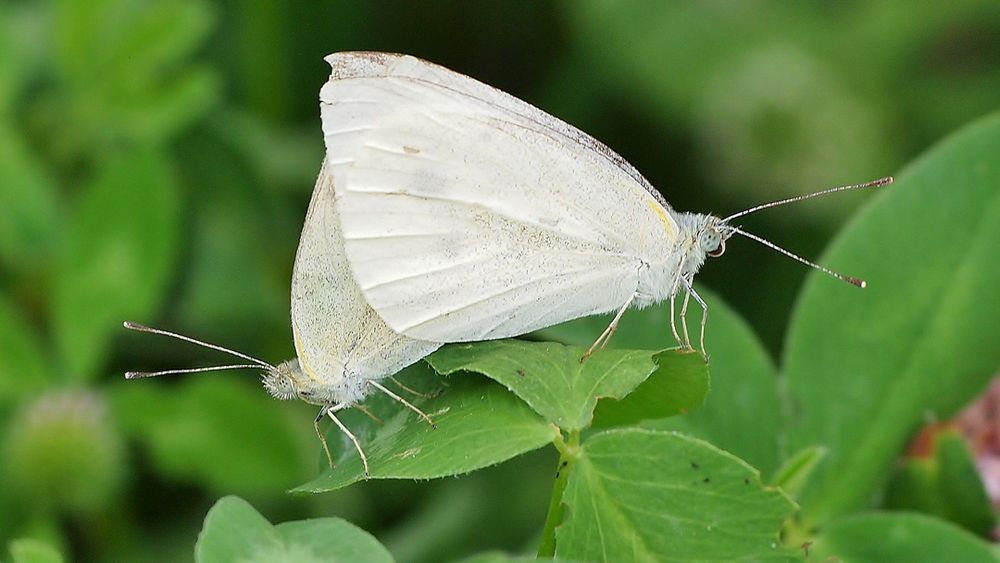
(568, 452)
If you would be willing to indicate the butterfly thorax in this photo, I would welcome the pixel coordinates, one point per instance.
(698, 236)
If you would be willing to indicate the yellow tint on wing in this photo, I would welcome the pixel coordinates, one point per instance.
(668, 224)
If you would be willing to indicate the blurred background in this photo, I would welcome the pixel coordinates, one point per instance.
(157, 158)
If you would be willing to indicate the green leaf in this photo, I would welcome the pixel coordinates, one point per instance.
(902, 537)
(866, 368)
(679, 385)
(27, 204)
(549, 376)
(192, 429)
(947, 486)
(742, 413)
(23, 367)
(478, 424)
(34, 551)
(644, 495)
(235, 532)
(117, 258)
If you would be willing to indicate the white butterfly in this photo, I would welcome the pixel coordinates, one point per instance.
(469, 214)
(343, 347)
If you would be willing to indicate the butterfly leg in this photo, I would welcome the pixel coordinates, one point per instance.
(673, 313)
(704, 314)
(684, 322)
(673, 323)
(406, 403)
(602, 340)
(322, 437)
(330, 410)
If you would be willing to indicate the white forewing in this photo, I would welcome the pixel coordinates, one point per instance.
(469, 214)
(340, 341)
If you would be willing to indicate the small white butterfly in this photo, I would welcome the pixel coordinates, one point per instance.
(343, 347)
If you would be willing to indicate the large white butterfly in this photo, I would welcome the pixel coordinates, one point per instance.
(469, 214)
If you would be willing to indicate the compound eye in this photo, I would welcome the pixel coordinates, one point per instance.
(719, 250)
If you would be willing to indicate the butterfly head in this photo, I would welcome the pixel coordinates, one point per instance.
(287, 381)
(713, 235)
(701, 236)
(281, 381)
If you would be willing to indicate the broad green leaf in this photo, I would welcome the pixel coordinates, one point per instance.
(679, 385)
(330, 539)
(192, 430)
(27, 204)
(235, 532)
(24, 368)
(645, 495)
(117, 258)
(549, 376)
(866, 368)
(742, 412)
(478, 424)
(890, 537)
(34, 551)
(947, 486)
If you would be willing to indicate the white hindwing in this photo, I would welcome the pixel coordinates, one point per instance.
(469, 214)
(340, 341)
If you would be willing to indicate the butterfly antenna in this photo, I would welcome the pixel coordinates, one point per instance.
(143, 374)
(873, 184)
(849, 279)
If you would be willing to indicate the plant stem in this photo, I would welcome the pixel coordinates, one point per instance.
(568, 452)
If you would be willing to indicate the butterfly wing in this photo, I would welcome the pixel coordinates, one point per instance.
(339, 339)
(469, 214)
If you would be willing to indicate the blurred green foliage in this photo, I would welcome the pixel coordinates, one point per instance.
(156, 160)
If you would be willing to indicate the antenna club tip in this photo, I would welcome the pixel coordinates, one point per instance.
(856, 281)
(885, 181)
(132, 375)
